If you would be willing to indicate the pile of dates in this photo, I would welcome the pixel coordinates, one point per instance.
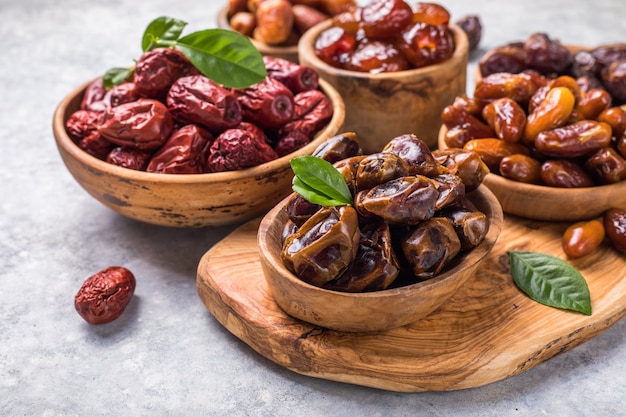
(171, 119)
(410, 218)
(281, 22)
(391, 35)
(539, 130)
(600, 67)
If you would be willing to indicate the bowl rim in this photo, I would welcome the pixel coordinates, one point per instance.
(305, 47)
(496, 223)
(222, 22)
(62, 113)
(536, 189)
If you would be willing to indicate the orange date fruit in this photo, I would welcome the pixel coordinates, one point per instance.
(593, 103)
(582, 238)
(552, 112)
(274, 21)
(492, 150)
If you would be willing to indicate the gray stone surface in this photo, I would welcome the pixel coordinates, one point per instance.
(167, 356)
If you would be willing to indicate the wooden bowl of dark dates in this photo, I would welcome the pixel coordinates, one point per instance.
(395, 65)
(275, 26)
(419, 226)
(556, 151)
(192, 153)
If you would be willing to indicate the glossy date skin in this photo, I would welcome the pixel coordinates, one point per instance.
(103, 296)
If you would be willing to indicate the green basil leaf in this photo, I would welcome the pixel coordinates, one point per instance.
(318, 181)
(224, 56)
(550, 281)
(116, 76)
(161, 28)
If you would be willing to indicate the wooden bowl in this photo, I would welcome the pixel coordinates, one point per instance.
(540, 202)
(372, 311)
(184, 200)
(382, 106)
(287, 52)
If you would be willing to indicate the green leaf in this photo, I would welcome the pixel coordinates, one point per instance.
(318, 181)
(550, 281)
(224, 56)
(161, 28)
(116, 76)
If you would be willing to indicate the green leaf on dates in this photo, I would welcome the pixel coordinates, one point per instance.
(226, 57)
(116, 76)
(550, 281)
(319, 182)
(161, 28)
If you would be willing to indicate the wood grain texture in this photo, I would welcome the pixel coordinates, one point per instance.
(487, 332)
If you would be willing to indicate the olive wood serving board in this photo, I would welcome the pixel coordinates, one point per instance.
(489, 331)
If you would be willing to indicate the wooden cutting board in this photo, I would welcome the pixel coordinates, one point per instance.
(488, 331)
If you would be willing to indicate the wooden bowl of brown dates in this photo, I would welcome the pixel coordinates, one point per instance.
(556, 151)
(275, 26)
(396, 65)
(184, 151)
(410, 227)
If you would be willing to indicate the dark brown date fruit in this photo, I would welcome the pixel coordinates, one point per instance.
(157, 69)
(473, 29)
(582, 238)
(506, 118)
(606, 166)
(295, 77)
(471, 226)
(522, 168)
(615, 226)
(300, 209)
(378, 168)
(546, 55)
(423, 44)
(129, 158)
(407, 200)
(607, 54)
(584, 64)
(451, 190)
(614, 79)
(430, 246)
(382, 19)
(510, 58)
(339, 147)
(103, 296)
(564, 173)
(376, 57)
(323, 247)
(236, 149)
(374, 267)
(198, 100)
(143, 124)
(419, 158)
(185, 152)
(268, 104)
(468, 166)
(347, 168)
(573, 140)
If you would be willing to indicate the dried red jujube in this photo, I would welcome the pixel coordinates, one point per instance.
(185, 152)
(157, 69)
(237, 149)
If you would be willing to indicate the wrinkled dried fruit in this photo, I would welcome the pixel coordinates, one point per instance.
(238, 149)
(157, 69)
(185, 152)
(268, 104)
(129, 158)
(103, 296)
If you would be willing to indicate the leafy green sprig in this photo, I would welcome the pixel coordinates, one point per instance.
(224, 56)
(318, 181)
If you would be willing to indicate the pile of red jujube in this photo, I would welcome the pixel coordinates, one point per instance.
(389, 36)
(171, 119)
